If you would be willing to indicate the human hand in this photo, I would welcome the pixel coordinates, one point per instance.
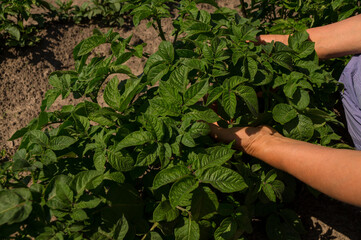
(247, 139)
(263, 39)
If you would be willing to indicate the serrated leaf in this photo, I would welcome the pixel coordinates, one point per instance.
(224, 179)
(169, 175)
(283, 113)
(195, 92)
(61, 142)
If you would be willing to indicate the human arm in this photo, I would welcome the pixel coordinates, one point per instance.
(335, 172)
(333, 40)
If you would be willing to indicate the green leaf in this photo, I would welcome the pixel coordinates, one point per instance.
(188, 140)
(112, 95)
(229, 103)
(224, 179)
(283, 113)
(179, 78)
(181, 189)
(14, 32)
(195, 92)
(214, 95)
(121, 228)
(15, 205)
(198, 27)
(268, 190)
(165, 212)
(87, 201)
(39, 137)
(189, 230)
(301, 99)
(61, 142)
(121, 160)
(204, 202)
(169, 175)
(166, 51)
(300, 128)
(20, 160)
(135, 139)
(87, 45)
(249, 96)
(215, 156)
(154, 126)
(147, 156)
(226, 229)
(156, 73)
(199, 129)
(84, 180)
(164, 108)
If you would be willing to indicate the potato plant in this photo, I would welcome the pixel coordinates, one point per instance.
(143, 166)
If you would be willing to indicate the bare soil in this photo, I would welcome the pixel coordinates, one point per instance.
(24, 81)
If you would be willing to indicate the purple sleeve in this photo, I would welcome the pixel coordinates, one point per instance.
(351, 98)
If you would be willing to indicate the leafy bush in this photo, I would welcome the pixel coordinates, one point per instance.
(144, 166)
(13, 14)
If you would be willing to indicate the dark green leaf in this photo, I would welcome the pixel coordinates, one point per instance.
(181, 189)
(283, 113)
(169, 175)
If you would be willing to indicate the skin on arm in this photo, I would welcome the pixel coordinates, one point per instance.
(335, 172)
(333, 40)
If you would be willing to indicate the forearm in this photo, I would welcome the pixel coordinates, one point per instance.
(335, 172)
(333, 40)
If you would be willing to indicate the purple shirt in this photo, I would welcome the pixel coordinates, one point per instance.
(351, 98)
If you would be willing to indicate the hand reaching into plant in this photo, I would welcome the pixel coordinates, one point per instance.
(335, 172)
(333, 40)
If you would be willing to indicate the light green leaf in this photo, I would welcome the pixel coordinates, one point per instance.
(283, 113)
(121, 228)
(199, 129)
(179, 78)
(164, 108)
(147, 156)
(61, 142)
(224, 179)
(154, 126)
(214, 95)
(300, 128)
(39, 137)
(156, 73)
(169, 175)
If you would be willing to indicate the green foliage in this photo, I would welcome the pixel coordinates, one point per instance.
(14, 31)
(143, 165)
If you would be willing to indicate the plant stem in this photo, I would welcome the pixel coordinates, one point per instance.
(243, 8)
(160, 29)
(151, 229)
